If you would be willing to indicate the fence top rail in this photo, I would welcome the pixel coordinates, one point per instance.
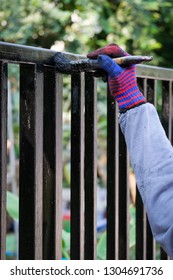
(25, 54)
(154, 72)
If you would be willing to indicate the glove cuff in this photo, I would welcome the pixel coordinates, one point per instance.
(122, 111)
(126, 94)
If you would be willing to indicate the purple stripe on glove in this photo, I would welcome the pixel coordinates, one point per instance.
(122, 83)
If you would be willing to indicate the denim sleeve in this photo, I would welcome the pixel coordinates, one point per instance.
(151, 156)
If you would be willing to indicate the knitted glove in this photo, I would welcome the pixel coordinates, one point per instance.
(122, 83)
(111, 50)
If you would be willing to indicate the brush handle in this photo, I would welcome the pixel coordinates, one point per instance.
(132, 59)
(92, 64)
(65, 65)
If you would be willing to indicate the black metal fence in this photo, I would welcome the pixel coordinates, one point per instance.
(40, 183)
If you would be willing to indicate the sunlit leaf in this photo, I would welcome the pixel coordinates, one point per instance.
(13, 205)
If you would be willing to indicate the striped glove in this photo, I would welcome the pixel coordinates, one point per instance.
(111, 50)
(122, 80)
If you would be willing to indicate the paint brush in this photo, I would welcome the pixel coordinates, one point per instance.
(65, 65)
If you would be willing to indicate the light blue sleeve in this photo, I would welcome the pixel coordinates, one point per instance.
(151, 156)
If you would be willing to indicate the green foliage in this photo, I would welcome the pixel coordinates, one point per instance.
(140, 26)
(13, 211)
(65, 244)
(13, 205)
(11, 246)
(101, 246)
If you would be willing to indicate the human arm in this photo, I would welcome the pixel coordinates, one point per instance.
(151, 153)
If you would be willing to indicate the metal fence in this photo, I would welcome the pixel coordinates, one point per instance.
(40, 183)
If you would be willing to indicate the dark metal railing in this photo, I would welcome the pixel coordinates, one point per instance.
(40, 184)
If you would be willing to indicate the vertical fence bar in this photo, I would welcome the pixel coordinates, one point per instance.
(140, 229)
(170, 129)
(140, 212)
(156, 87)
(165, 123)
(165, 106)
(3, 157)
(123, 199)
(150, 91)
(112, 179)
(31, 162)
(90, 167)
(155, 93)
(52, 165)
(77, 166)
(150, 242)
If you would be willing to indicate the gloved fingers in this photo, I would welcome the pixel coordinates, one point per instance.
(112, 50)
(101, 74)
(109, 65)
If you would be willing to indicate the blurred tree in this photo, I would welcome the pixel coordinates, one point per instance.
(140, 26)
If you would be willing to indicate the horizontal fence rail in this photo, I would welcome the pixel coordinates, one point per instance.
(40, 183)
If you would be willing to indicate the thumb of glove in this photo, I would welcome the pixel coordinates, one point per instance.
(110, 66)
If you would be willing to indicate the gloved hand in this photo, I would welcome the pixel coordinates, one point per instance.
(122, 80)
(111, 50)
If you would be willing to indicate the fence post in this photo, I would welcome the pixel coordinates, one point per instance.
(52, 165)
(3, 157)
(31, 162)
(77, 167)
(112, 179)
(90, 167)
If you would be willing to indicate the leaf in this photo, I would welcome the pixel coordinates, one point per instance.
(101, 247)
(65, 244)
(13, 205)
(11, 246)
(65, 239)
(66, 225)
(65, 254)
(67, 173)
(132, 240)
